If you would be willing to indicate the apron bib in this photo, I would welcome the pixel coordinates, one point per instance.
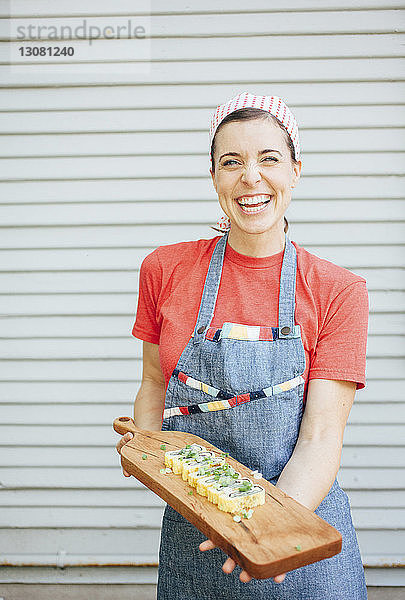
(241, 388)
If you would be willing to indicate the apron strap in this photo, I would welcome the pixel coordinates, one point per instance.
(210, 292)
(286, 302)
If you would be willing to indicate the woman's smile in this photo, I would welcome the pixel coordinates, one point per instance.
(253, 204)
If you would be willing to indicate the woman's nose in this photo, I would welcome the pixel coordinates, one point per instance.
(251, 174)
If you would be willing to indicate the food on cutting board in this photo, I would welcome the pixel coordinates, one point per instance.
(216, 479)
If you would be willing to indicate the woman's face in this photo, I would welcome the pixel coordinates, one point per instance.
(254, 175)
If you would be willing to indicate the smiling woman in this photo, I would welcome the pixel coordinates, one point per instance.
(249, 114)
(254, 187)
(241, 315)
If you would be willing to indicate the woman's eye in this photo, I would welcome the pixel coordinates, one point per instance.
(230, 161)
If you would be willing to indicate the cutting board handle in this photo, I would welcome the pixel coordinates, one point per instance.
(124, 424)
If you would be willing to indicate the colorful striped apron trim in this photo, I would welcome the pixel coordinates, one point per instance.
(225, 400)
(249, 333)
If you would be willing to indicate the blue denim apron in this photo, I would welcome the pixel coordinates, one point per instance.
(257, 421)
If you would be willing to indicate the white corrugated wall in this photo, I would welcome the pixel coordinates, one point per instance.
(102, 162)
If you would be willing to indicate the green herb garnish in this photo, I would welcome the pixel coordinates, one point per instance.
(163, 447)
(246, 486)
(144, 456)
(298, 547)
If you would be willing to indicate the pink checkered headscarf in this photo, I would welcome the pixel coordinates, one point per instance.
(272, 104)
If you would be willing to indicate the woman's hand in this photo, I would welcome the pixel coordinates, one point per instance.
(124, 440)
(230, 564)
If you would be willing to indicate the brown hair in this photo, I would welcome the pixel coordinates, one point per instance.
(250, 114)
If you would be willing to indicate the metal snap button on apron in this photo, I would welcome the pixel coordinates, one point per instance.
(201, 329)
(285, 330)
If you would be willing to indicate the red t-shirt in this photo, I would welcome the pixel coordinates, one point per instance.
(331, 304)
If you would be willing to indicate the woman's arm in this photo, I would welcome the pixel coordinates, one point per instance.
(150, 399)
(308, 475)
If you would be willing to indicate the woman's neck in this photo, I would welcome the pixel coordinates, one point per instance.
(257, 244)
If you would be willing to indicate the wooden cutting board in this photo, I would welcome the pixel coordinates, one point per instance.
(281, 535)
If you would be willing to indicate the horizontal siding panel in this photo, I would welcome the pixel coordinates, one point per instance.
(369, 456)
(375, 414)
(377, 498)
(85, 414)
(197, 119)
(104, 392)
(116, 348)
(76, 516)
(199, 72)
(77, 570)
(142, 497)
(120, 328)
(125, 304)
(77, 392)
(380, 279)
(50, 516)
(20, 454)
(66, 478)
(379, 518)
(131, 369)
(373, 435)
(75, 7)
(106, 224)
(377, 575)
(72, 541)
(179, 25)
(386, 479)
(349, 256)
(128, 237)
(98, 435)
(65, 304)
(65, 415)
(177, 142)
(84, 167)
(82, 259)
(179, 190)
(127, 281)
(112, 478)
(238, 47)
(147, 97)
(135, 497)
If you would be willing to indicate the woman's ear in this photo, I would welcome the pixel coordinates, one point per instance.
(297, 172)
(213, 179)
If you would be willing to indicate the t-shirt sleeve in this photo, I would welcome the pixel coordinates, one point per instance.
(340, 352)
(146, 326)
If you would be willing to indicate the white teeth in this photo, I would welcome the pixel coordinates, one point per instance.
(252, 209)
(253, 200)
(260, 200)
